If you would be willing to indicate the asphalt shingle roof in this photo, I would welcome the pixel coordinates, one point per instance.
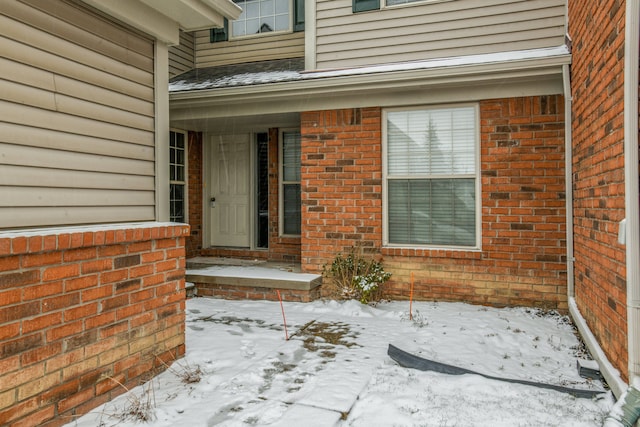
(252, 73)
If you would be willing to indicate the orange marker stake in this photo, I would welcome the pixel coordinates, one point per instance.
(411, 298)
(286, 333)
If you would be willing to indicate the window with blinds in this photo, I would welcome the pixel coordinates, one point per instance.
(431, 177)
(290, 184)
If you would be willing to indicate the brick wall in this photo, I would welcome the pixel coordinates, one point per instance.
(81, 309)
(194, 195)
(597, 81)
(523, 259)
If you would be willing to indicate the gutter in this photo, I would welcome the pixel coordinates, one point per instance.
(568, 177)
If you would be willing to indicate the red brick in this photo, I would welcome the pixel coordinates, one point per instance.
(95, 266)
(37, 260)
(84, 310)
(83, 282)
(41, 353)
(114, 276)
(65, 330)
(9, 330)
(80, 254)
(34, 243)
(92, 294)
(42, 290)
(60, 272)
(100, 320)
(11, 297)
(9, 263)
(60, 302)
(18, 279)
(42, 322)
(17, 411)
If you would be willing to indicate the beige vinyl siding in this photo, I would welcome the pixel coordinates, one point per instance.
(182, 57)
(248, 49)
(421, 31)
(76, 117)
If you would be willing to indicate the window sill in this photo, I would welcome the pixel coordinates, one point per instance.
(412, 4)
(259, 35)
(432, 253)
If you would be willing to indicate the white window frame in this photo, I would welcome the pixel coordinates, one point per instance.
(244, 36)
(282, 182)
(186, 174)
(476, 176)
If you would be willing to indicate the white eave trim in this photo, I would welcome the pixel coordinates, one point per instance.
(163, 19)
(227, 8)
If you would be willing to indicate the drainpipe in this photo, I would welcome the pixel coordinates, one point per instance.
(609, 372)
(632, 233)
(568, 177)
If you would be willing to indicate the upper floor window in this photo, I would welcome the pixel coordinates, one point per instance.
(262, 17)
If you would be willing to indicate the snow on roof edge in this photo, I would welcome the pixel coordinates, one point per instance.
(484, 58)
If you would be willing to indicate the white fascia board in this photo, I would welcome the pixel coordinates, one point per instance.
(226, 8)
(373, 89)
(141, 17)
(194, 15)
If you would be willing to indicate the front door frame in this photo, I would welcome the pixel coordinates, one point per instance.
(207, 152)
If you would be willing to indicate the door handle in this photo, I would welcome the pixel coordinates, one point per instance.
(212, 202)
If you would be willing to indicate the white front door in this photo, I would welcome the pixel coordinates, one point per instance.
(229, 194)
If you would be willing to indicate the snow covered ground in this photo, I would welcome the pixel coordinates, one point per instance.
(334, 369)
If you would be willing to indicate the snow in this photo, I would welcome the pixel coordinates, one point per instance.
(334, 369)
(280, 76)
(457, 61)
(94, 228)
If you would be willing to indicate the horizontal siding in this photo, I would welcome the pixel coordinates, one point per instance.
(76, 117)
(182, 57)
(76, 215)
(432, 30)
(25, 176)
(261, 48)
(45, 196)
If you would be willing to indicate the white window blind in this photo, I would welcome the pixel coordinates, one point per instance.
(431, 177)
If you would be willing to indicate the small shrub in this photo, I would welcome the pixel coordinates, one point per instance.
(355, 276)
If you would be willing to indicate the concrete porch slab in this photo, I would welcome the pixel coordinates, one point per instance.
(250, 279)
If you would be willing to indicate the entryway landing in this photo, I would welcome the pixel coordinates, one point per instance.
(233, 278)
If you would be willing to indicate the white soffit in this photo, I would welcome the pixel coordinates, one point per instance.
(163, 19)
(196, 14)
